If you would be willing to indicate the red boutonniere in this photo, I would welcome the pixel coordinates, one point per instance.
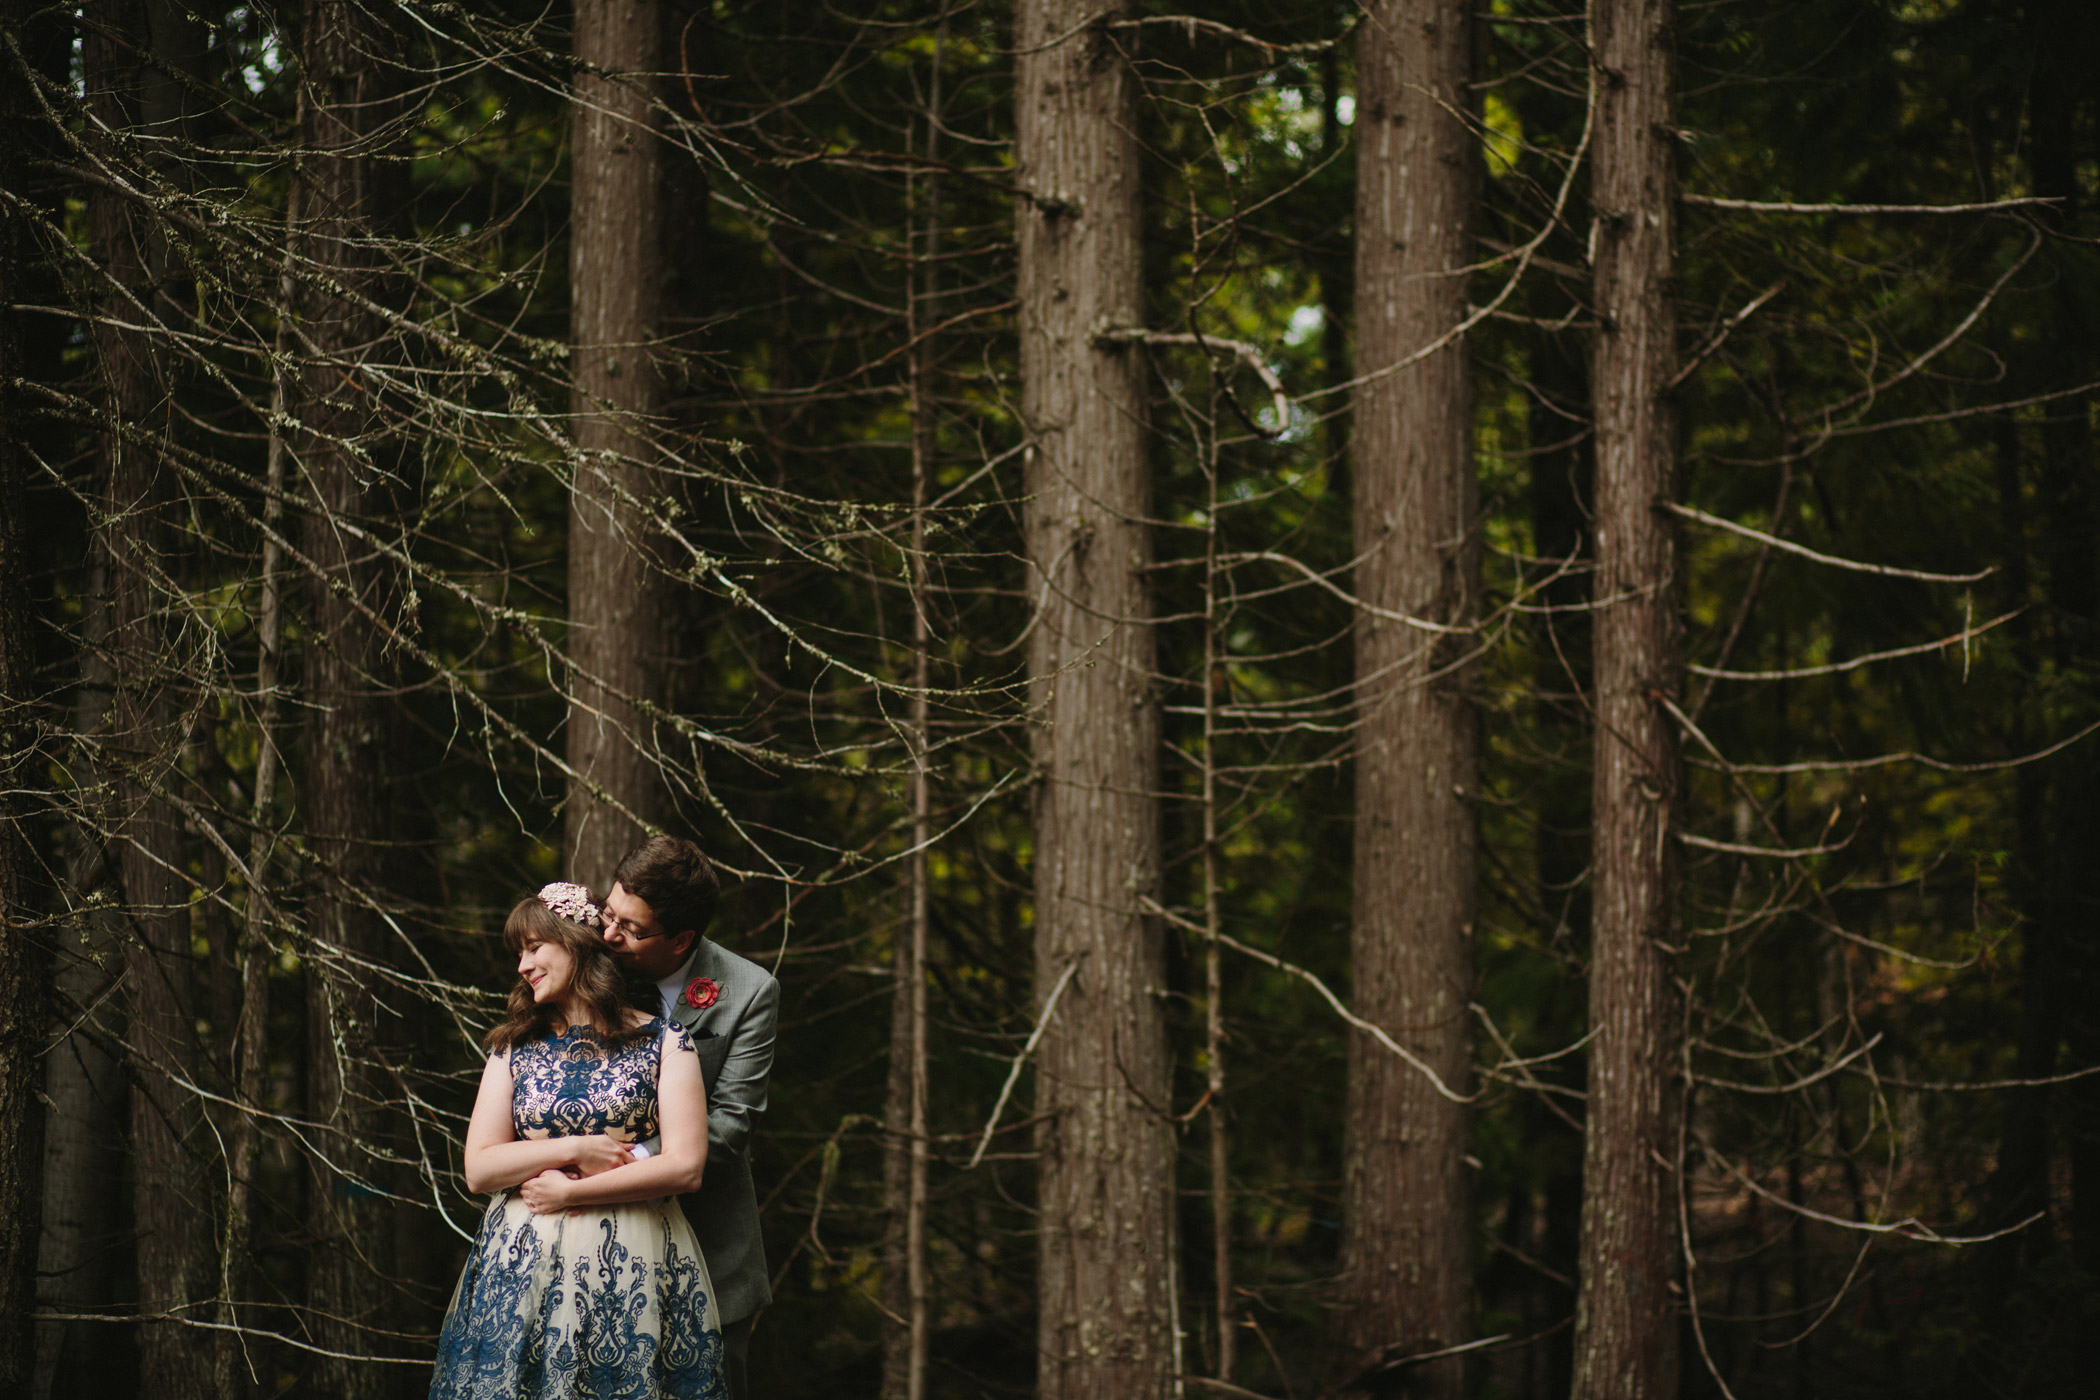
(701, 992)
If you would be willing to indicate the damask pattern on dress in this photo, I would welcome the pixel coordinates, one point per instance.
(569, 1085)
(610, 1305)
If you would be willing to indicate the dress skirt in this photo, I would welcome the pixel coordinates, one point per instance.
(603, 1303)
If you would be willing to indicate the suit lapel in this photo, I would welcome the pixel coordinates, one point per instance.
(684, 1015)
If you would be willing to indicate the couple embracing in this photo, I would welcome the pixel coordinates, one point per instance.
(620, 1256)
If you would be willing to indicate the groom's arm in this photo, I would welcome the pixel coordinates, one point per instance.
(738, 1095)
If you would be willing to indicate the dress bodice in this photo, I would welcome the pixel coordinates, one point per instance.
(571, 1084)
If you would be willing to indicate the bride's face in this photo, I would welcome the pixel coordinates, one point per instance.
(548, 968)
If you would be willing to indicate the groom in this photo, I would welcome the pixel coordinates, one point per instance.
(663, 895)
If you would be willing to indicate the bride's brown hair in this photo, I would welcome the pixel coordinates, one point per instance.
(597, 981)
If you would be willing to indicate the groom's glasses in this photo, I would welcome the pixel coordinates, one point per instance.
(634, 932)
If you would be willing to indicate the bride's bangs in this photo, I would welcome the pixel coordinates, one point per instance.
(531, 923)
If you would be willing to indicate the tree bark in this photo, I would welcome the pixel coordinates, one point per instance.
(918, 1324)
(615, 278)
(1215, 646)
(902, 1094)
(1626, 1316)
(1406, 1269)
(2063, 34)
(344, 803)
(82, 1251)
(250, 1043)
(23, 967)
(143, 739)
(905, 1343)
(1106, 1224)
(2019, 1183)
(84, 1084)
(1562, 488)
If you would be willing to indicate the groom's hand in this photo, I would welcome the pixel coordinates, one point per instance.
(600, 1153)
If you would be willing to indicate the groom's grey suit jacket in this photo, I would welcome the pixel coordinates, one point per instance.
(734, 1039)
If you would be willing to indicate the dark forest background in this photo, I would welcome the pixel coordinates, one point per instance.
(1126, 531)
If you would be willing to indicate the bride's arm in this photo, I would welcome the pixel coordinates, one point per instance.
(496, 1158)
(681, 1110)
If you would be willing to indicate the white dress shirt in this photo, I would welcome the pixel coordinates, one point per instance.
(673, 987)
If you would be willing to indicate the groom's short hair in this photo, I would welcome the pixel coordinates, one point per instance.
(671, 876)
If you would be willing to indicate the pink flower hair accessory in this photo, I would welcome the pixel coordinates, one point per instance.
(572, 902)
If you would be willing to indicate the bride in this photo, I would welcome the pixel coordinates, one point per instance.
(585, 1282)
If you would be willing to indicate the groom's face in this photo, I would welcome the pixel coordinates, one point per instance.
(637, 938)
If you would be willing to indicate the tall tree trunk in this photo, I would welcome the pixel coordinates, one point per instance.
(2064, 34)
(1106, 1228)
(2054, 878)
(80, 1251)
(83, 1221)
(1406, 1261)
(1216, 618)
(2019, 1184)
(143, 738)
(23, 968)
(900, 1262)
(896, 1157)
(905, 1337)
(166, 1187)
(1626, 1318)
(1562, 488)
(918, 1154)
(615, 278)
(344, 803)
(250, 1057)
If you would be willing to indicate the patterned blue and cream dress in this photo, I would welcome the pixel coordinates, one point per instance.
(600, 1303)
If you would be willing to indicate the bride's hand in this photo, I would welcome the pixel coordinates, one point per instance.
(599, 1153)
(546, 1193)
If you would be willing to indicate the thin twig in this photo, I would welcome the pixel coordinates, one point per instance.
(1013, 1075)
(1854, 565)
